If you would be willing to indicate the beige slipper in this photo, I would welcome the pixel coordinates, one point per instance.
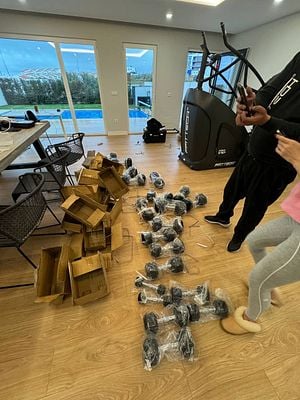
(276, 298)
(237, 325)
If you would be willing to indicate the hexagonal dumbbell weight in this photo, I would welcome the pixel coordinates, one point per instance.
(162, 205)
(174, 247)
(157, 180)
(142, 282)
(164, 234)
(174, 265)
(180, 316)
(153, 352)
(147, 213)
(217, 308)
(159, 222)
(138, 180)
(144, 298)
(201, 292)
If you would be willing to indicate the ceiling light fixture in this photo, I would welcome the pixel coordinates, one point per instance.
(23, 1)
(169, 15)
(213, 3)
(277, 1)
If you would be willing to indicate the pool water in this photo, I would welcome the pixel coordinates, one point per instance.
(90, 114)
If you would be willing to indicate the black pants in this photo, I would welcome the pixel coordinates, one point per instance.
(260, 184)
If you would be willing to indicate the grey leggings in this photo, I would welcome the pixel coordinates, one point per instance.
(275, 268)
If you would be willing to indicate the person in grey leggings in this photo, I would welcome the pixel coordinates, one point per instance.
(278, 267)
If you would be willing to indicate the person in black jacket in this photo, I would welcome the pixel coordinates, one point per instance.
(261, 175)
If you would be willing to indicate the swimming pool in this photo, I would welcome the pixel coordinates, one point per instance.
(90, 114)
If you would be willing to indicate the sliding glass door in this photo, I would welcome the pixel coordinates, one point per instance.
(140, 61)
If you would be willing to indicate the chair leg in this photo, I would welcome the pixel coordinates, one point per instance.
(69, 177)
(49, 226)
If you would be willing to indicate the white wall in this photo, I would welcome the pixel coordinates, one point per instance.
(172, 47)
(272, 45)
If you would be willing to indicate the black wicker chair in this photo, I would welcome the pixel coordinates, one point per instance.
(77, 151)
(53, 168)
(18, 221)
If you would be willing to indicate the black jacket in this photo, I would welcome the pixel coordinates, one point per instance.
(281, 97)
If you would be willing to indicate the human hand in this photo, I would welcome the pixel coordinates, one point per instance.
(259, 117)
(289, 149)
(242, 108)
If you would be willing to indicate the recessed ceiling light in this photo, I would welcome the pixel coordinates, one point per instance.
(204, 2)
(277, 1)
(169, 15)
(23, 1)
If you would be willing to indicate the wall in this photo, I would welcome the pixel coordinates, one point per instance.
(172, 47)
(271, 45)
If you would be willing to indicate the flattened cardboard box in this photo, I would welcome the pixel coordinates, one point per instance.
(112, 181)
(88, 279)
(94, 239)
(84, 209)
(76, 246)
(52, 277)
(114, 209)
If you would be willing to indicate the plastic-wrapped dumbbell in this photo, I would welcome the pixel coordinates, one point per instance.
(200, 293)
(147, 213)
(217, 309)
(157, 180)
(144, 298)
(182, 194)
(180, 344)
(180, 316)
(200, 200)
(128, 162)
(174, 247)
(113, 157)
(159, 222)
(174, 265)
(164, 234)
(138, 180)
(162, 205)
(129, 173)
(142, 282)
(150, 196)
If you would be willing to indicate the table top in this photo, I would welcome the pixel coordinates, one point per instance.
(12, 144)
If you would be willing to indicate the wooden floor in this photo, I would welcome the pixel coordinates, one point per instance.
(95, 352)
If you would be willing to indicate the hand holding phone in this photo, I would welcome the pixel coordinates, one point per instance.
(243, 98)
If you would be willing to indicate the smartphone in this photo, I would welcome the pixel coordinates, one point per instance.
(243, 95)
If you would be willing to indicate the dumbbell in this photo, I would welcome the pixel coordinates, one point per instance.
(162, 205)
(200, 200)
(141, 282)
(128, 162)
(174, 265)
(151, 194)
(138, 180)
(218, 307)
(113, 157)
(165, 234)
(201, 292)
(153, 352)
(130, 172)
(157, 180)
(174, 247)
(165, 299)
(147, 213)
(180, 316)
(158, 222)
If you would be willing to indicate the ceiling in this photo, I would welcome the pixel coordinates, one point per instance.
(238, 15)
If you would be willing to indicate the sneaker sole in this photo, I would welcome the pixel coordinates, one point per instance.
(218, 223)
(233, 251)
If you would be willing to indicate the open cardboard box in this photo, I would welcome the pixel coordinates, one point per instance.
(94, 239)
(114, 209)
(76, 246)
(88, 190)
(52, 278)
(84, 209)
(90, 155)
(112, 181)
(88, 177)
(88, 279)
(70, 224)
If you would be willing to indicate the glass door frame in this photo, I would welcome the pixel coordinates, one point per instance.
(144, 46)
(57, 41)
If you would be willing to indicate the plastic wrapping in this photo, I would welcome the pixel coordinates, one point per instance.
(138, 180)
(145, 212)
(159, 222)
(176, 346)
(165, 234)
(175, 247)
(145, 297)
(174, 265)
(157, 180)
(200, 294)
(162, 205)
(179, 314)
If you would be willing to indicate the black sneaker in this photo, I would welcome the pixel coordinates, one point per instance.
(213, 219)
(234, 245)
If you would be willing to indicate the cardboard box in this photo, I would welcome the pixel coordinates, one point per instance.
(90, 155)
(88, 177)
(112, 181)
(96, 162)
(106, 163)
(84, 209)
(76, 246)
(114, 237)
(114, 209)
(87, 190)
(52, 278)
(88, 279)
(94, 239)
(70, 224)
